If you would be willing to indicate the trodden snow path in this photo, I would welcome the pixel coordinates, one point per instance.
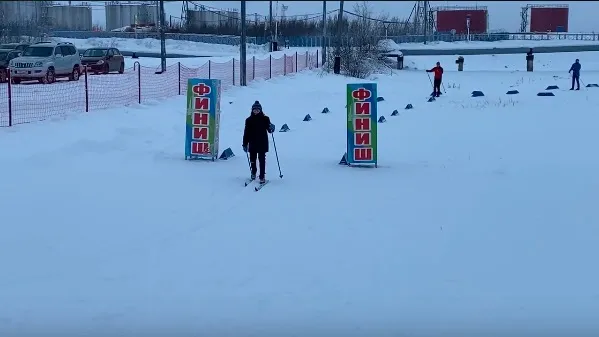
(480, 219)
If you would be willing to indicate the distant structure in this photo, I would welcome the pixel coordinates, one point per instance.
(121, 15)
(544, 18)
(462, 19)
(23, 18)
(422, 19)
(69, 17)
(197, 16)
(12, 12)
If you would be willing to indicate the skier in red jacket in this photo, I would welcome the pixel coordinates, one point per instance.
(438, 70)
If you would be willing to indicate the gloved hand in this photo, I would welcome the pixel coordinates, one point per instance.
(271, 128)
(245, 148)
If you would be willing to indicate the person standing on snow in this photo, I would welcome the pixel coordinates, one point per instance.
(255, 139)
(438, 70)
(575, 70)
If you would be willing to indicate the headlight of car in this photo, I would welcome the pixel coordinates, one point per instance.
(38, 64)
(100, 62)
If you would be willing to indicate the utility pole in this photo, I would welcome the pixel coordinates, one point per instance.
(339, 26)
(324, 31)
(162, 39)
(425, 28)
(242, 54)
(270, 26)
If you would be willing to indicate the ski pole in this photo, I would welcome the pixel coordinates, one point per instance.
(429, 79)
(249, 164)
(276, 154)
(432, 85)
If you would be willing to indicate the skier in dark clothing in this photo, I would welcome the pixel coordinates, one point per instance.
(575, 70)
(438, 70)
(255, 139)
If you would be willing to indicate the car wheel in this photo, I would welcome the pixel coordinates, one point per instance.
(16, 80)
(2, 75)
(50, 77)
(122, 68)
(75, 74)
(106, 69)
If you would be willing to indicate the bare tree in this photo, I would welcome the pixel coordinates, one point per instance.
(360, 48)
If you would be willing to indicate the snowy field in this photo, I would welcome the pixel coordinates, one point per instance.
(175, 46)
(559, 62)
(207, 49)
(481, 219)
(497, 44)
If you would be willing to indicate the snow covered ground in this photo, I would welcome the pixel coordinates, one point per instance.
(175, 46)
(207, 49)
(481, 219)
(497, 44)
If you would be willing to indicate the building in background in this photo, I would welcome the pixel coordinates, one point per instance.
(455, 19)
(121, 15)
(545, 18)
(69, 17)
(204, 17)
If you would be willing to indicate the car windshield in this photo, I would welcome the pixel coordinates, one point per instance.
(38, 51)
(95, 52)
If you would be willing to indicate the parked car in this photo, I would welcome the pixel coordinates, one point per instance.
(45, 62)
(5, 56)
(103, 60)
(15, 46)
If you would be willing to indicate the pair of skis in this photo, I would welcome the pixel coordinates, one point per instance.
(256, 188)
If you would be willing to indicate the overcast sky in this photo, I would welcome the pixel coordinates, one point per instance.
(504, 15)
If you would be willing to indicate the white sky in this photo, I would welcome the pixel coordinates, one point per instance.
(503, 15)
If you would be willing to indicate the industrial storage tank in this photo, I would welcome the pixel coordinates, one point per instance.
(21, 11)
(202, 17)
(74, 18)
(125, 15)
(196, 19)
(549, 18)
(450, 18)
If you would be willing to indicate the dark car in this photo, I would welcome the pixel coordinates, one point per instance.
(5, 56)
(103, 60)
(14, 46)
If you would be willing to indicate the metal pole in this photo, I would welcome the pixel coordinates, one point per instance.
(242, 56)
(339, 26)
(270, 25)
(324, 30)
(162, 39)
(425, 30)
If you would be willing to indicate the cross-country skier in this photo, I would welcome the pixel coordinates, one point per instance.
(575, 70)
(438, 70)
(255, 139)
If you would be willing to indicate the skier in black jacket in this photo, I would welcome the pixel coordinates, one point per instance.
(255, 139)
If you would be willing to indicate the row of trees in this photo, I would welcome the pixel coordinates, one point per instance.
(17, 31)
(391, 26)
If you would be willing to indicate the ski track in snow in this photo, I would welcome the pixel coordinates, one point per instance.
(480, 220)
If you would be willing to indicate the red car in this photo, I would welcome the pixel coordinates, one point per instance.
(103, 60)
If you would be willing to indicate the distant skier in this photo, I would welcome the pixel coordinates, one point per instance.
(438, 71)
(255, 139)
(575, 70)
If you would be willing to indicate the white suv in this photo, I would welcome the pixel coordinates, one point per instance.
(46, 61)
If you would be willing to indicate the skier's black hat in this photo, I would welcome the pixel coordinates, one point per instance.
(257, 105)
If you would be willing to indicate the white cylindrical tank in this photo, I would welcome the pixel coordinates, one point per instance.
(125, 15)
(20, 11)
(77, 18)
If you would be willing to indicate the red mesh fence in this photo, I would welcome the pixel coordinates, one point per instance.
(30, 101)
